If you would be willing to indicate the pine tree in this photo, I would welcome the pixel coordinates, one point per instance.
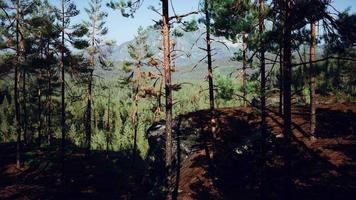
(287, 76)
(72, 35)
(168, 83)
(262, 92)
(139, 78)
(207, 9)
(42, 43)
(236, 20)
(97, 57)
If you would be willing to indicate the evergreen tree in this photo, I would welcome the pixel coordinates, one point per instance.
(139, 78)
(71, 34)
(236, 20)
(97, 56)
(15, 15)
(42, 43)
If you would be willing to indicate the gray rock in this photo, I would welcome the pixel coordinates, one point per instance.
(185, 141)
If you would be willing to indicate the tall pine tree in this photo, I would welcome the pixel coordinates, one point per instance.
(97, 56)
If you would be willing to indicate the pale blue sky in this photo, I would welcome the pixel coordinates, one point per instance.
(123, 29)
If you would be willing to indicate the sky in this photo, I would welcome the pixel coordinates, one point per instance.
(123, 29)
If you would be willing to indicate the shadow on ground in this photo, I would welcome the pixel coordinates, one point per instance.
(46, 175)
(226, 165)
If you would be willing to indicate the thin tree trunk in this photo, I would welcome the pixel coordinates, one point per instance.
(208, 47)
(244, 65)
(304, 55)
(210, 74)
(135, 129)
(24, 106)
(327, 77)
(39, 105)
(49, 102)
(92, 65)
(287, 72)
(88, 120)
(135, 114)
(39, 109)
(312, 79)
(63, 125)
(281, 77)
(168, 90)
(108, 127)
(263, 97)
(16, 80)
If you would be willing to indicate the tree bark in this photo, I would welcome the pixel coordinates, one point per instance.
(88, 129)
(244, 65)
(135, 129)
(168, 90)
(24, 99)
(63, 125)
(281, 77)
(263, 96)
(312, 82)
(208, 49)
(108, 127)
(135, 119)
(49, 103)
(210, 74)
(39, 109)
(287, 72)
(16, 82)
(88, 120)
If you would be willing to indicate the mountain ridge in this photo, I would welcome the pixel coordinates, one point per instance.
(222, 49)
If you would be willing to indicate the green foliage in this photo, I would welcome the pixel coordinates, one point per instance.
(233, 17)
(305, 95)
(225, 87)
(190, 26)
(127, 7)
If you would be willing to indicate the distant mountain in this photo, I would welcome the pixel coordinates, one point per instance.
(222, 52)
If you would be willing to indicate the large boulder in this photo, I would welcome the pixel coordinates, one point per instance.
(185, 141)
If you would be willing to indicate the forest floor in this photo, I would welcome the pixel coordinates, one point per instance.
(228, 168)
(323, 167)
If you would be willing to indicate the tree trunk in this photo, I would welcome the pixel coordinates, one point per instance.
(49, 103)
(244, 65)
(39, 109)
(263, 96)
(281, 79)
(135, 120)
(16, 80)
(88, 120)
(24, 106)
(135, 130)
(287, 72)
(312, 82)
(88, 128)
(210, 74)
(208, 49)
(39, 103)
(327, 77)
(63, 125)
(168, 89)
(108, 127)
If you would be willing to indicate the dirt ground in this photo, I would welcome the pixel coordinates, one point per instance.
(323, 167)
(226, 165)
